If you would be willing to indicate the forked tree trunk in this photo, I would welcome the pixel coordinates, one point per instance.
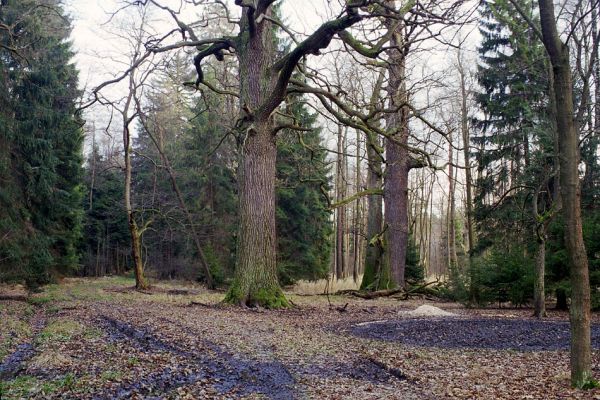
(568, 139)
(134, 231)
(264, 81)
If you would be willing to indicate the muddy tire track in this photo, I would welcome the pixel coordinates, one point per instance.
(15, 363)
(210, 365)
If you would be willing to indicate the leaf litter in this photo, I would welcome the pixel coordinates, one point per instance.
(154, 346)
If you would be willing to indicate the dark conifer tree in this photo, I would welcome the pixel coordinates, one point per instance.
(44, 138)
(303, 220)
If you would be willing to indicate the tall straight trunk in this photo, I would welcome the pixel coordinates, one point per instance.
(255, 280)
(466, 141)
(357, 214)
(397, 162)
(568, 140)
(590, 151)
(452, 257)
(371, 277)
(539, 293)
(595, 16)
(340, 226)
(372, 271)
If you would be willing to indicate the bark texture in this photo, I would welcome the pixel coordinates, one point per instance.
(264, 76)
(452, 257)
(464, 118)
(568, 140)
(255, 280)
(371, 277)
(374, 251)
(340, 190)
(397, 162)
(134, 231)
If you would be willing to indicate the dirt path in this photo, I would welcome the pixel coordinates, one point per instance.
(100, 343)
(199, 348)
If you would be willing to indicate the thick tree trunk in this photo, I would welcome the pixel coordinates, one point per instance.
(255, 280)
(397, 163)
(374, 217)
(568, 139)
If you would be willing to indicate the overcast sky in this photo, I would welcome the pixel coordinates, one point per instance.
(98, 52)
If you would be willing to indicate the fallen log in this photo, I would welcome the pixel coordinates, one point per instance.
(403, 293)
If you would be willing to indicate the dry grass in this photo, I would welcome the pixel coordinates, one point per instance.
(321, 286)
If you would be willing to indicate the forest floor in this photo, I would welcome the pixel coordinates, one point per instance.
(98, 338)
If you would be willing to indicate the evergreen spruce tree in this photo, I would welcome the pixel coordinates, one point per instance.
(304, 223)
(43, 136)
(516, 139)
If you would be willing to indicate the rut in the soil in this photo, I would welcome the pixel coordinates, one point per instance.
(360, 368)
(477, 333)
(16, 362)
(228, 374)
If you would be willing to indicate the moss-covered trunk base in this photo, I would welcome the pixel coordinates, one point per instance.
(270, 298)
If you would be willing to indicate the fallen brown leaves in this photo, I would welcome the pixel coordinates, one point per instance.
(122, 344)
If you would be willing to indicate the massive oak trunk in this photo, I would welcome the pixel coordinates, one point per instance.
(397, 163)
(264, 77)
(568, 140)
(255, 280)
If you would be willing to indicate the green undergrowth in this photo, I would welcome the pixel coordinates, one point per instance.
(27, 386)
(63, 330)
